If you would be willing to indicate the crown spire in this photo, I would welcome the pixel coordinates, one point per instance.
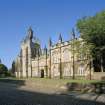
(30, 33)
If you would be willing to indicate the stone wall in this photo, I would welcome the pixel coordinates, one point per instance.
(99, 75)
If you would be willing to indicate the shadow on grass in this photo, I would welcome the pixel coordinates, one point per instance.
(12, 81)
(12, 95)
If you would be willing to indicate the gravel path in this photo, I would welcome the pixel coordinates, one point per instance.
(23, 94)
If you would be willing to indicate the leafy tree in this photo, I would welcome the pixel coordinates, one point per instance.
(92, 30)
(80, 51)
(3, 70)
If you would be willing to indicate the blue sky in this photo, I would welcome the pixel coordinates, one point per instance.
(48, 18)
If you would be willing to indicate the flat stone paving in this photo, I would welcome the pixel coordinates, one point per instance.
(21, 94)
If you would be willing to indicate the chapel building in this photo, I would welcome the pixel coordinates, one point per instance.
(56, 61)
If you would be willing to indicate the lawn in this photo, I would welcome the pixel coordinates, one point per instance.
(52, 82)
(66, 85)
(60, 81)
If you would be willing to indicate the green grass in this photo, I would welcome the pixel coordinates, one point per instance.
(61, 80)
(58, 81)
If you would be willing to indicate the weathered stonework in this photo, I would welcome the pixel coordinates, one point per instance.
(54, 62)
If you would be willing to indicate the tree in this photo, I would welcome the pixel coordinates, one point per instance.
(92, 30)
(81, 51)
(3, 70)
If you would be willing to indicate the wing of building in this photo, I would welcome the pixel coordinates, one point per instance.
(57, 61)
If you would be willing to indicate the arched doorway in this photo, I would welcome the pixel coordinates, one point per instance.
(42, 73)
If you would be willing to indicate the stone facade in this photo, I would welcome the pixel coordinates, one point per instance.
(57, 61)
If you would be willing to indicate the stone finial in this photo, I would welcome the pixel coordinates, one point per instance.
(60, 38)
(30, 33)
(45, 49)
(50, 42)
(73, 33)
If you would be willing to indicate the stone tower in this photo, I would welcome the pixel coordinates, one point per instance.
(29, 50)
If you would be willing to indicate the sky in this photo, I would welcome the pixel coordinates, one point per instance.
(48, 18)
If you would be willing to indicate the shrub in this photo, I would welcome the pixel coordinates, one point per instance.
(3, 70)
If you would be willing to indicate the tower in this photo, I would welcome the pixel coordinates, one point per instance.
(29, 51)
(26, 54)
(30, 48)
